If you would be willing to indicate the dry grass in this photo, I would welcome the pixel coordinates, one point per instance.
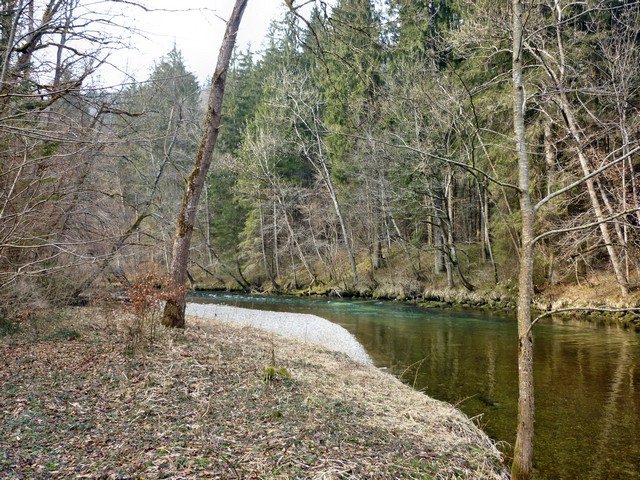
(197, 404)
(598, 290)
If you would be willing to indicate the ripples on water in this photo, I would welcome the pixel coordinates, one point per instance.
(587, 377)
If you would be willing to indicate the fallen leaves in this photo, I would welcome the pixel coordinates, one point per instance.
(196, 405)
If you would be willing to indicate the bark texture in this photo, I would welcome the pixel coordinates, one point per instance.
(174, 308)
(523, 449)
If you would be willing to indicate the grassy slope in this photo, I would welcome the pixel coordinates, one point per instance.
(196, 404)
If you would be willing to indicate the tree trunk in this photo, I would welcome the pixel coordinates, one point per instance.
(438, 232)
(323, 261)
(565, 105)
(549, 154)
(208, 225)
(322, 168)
(292, 236)
(403, 243)
(263, 245)
(276, 260)
(174, 308)
(523, 450)
(319, 163)
(595, 201)
(343, 227)
(486, 232)
(451, 259)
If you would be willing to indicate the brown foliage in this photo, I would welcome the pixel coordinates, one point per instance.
(147, 295)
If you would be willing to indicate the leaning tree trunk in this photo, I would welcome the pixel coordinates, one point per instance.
(523, 449)
(595, 202)
(565, 105)
(174, 308)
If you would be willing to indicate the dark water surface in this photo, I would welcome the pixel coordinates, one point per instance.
(587, 376)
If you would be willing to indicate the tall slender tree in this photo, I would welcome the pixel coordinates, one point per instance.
(174, 312)
(523, 449)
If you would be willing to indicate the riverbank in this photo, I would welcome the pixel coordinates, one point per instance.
(215, 401)
(306, 328)
(598, 300)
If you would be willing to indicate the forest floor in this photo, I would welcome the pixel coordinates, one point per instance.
(98, 393)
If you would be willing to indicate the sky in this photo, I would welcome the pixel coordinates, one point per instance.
(195, 26)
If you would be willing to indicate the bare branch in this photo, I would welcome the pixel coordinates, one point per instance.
(587, 177)
(584, 226)
(464, 166)
(633, 310)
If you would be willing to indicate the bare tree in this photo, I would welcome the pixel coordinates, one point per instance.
(523, 451)
(558, 74)
(174, 313)
(304, 108)
(523, 448)
(55, 200)
(264, 148)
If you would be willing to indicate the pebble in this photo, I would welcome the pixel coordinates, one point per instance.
(305, 327)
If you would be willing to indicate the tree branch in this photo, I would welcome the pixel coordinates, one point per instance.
(634, 310)
(585, 226)
(595, 173)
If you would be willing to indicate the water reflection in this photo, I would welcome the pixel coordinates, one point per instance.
(586, 376)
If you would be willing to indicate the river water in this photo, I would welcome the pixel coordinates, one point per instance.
(587, 376)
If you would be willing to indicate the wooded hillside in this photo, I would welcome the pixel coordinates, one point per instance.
(367, 148)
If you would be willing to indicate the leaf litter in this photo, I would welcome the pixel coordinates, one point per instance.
(196, 404)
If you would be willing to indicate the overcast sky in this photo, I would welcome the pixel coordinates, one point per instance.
(196, 27)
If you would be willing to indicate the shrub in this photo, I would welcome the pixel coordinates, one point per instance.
(147, 295)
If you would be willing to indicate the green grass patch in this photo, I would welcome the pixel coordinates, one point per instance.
(63, 333)
(9, 327)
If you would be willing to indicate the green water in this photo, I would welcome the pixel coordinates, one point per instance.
(587, 377)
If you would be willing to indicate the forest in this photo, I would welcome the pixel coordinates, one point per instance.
(365, 149)
(477, 150)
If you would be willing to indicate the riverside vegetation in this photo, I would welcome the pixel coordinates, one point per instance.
(337, 168)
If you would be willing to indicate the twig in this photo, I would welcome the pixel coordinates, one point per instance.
(634, 310)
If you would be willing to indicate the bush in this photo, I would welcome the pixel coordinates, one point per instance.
(147, 295)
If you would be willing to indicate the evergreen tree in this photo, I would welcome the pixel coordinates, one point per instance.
(243, 97)
(249, 94)
(418, 27)
(347, 73)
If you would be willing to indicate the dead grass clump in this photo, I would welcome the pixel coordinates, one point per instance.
(197, 405)
(600, 288)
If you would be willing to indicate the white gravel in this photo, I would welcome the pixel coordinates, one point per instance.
(309, 328)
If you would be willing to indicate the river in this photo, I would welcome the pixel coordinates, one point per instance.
(587, 375)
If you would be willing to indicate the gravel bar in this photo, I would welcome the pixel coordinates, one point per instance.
(309, 328)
